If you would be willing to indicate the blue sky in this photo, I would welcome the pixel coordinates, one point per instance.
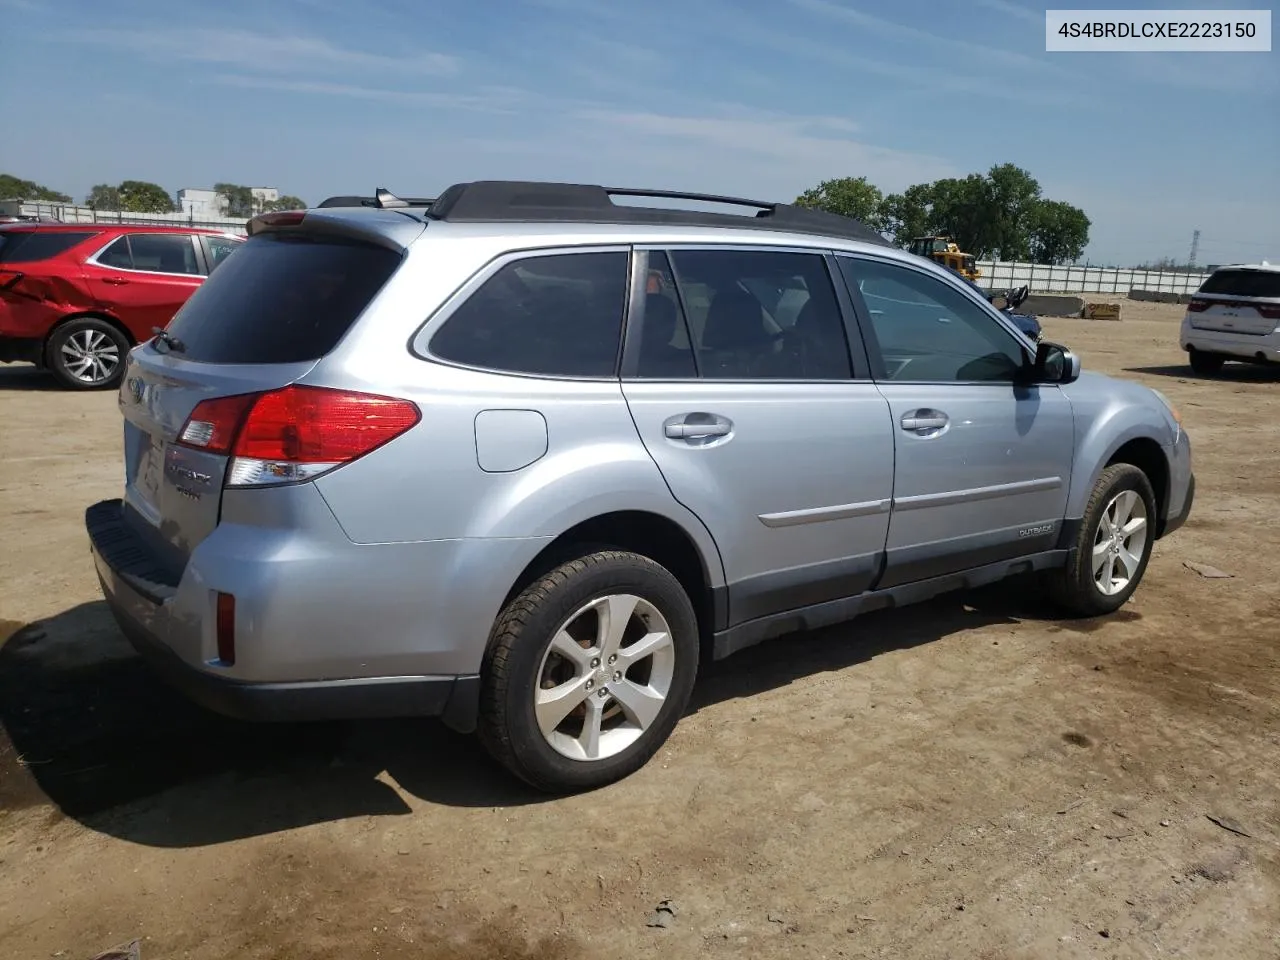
(758, 98)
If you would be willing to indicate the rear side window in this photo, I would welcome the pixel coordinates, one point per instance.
(555, 315)
(163, 253)
(31, 246)
(284, 298)
(1244, 283)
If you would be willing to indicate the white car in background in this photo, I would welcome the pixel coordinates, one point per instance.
(1235, 315)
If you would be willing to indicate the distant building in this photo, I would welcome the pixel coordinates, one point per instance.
(197, 203)
(263, 196)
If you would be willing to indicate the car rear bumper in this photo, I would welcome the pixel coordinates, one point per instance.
(1263, 348)
(156, 618)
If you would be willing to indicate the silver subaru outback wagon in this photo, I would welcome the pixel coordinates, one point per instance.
(522, 457)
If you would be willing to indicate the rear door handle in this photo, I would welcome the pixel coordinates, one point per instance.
(694, 427)
(924, 422)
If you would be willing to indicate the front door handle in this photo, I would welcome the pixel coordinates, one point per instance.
(115, 281)
(925, 422)
(697, 426)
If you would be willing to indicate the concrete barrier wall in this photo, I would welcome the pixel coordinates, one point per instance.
(998, 275)
(71, 213)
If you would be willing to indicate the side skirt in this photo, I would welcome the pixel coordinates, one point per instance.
(730, 641)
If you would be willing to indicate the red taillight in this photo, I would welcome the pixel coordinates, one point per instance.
(1271, 312)
(295, 432)
(317, 425)
(281, 218)
(225, 627)
(213, 424)
(1197, 306)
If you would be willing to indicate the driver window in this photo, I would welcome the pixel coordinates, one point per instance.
(928, 330)
(761, 315)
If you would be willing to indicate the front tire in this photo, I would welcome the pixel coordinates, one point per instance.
(1113, 546)
(87, 354)
(1205, 364)
(587, 672)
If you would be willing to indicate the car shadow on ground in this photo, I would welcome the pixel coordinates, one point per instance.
(25, 376)
(1230, 373)
(89, 729)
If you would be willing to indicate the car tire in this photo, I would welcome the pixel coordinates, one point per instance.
(87, 354)
(1106, 563)
(537, 647)
(1205, 364)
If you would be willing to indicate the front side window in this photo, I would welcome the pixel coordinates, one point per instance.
(554, 315)
(927, 330)
(749, 315)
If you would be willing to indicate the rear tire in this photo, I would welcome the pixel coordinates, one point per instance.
(1113, 546)
(1205, 364)
(587, 672)
(87, 354)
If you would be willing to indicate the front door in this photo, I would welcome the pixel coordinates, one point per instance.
(741, 383)
(983, 464)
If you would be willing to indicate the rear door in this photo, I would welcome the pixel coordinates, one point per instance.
(144, 278)
(260, 322)
(1238, 300)
(983, 465)
(740, 379)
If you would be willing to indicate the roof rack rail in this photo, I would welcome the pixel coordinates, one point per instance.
(516, 201)
(381, 199)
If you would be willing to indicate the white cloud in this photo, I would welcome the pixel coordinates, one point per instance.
(893, 30)
(257, 51)
(487, 99)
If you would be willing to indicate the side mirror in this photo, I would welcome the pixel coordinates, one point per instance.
(1054, 363)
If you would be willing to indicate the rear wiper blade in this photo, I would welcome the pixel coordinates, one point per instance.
(169, 340)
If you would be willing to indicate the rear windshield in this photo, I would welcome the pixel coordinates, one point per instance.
(1244, 283)
(283, 298)
(30, 246)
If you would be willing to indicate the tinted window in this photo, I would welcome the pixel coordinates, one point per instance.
(761, 315)
(219, 249)
(282, 299)
(163, 253)
(117, 255)
(1244, 283)
(928, 330)
(665, 350)
(30, 246)
(556, 315)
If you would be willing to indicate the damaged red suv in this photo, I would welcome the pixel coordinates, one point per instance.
(75, 298)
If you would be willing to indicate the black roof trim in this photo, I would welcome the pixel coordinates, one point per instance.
(527, 201)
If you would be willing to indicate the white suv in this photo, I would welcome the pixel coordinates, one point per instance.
(1235, 315)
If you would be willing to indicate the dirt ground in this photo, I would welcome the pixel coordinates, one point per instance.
(963, 779)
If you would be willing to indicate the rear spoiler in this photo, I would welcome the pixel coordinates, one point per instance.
(382, 199)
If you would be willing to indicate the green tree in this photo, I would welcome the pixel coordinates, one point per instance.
(139, 196)
(1013, 195)
(239, 199)
(1058, 232)
(848, 196)
(15, 188)
(906, 215)
(104, 197)
(287, 202)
